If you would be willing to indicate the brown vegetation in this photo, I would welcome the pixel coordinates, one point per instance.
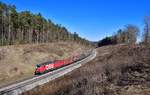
(18, 61)
(117, 70)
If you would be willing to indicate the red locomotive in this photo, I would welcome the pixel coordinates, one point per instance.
(52, 65)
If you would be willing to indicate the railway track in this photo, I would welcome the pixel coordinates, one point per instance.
(26, 85)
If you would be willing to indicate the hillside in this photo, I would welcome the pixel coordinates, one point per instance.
(117, 70)
(18, 61)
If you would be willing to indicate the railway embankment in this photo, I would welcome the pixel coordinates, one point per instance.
(17, 62)
(116, 70)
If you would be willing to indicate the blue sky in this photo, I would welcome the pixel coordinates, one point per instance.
(91, 19)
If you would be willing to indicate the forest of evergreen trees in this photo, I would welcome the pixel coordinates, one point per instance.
(25, 27)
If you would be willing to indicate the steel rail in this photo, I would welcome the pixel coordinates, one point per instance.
(26, 85)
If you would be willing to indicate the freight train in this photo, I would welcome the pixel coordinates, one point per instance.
(52, 65)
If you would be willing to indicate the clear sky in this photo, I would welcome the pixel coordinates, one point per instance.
(91, 19)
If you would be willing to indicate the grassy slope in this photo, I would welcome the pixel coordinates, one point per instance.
(117, 70)
(18, 61)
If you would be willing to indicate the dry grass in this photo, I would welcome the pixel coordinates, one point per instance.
(18, 61)
(117, 70)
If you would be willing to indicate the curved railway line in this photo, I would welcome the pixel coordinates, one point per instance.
(34, 81)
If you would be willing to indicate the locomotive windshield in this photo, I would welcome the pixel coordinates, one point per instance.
(37, 65)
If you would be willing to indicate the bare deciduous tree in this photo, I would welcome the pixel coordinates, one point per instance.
(146, 36)
(132, 33)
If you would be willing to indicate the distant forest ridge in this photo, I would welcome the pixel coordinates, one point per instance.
(25, 27)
